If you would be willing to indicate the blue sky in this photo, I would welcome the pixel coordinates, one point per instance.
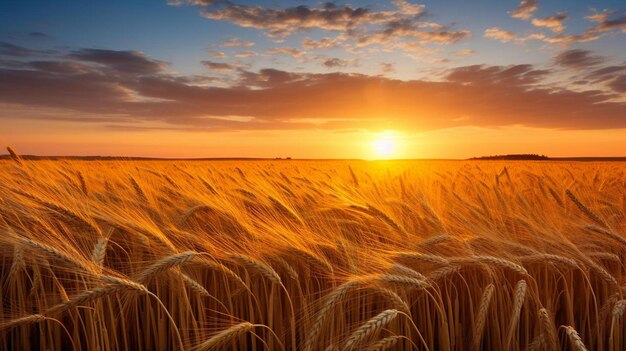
(180, 35)
(214, 66)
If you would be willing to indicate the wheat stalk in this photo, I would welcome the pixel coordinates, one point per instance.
(497, 261)
(607, 256)
(518, 302)
(481, 317)
(14, 156)
(584, 209)
(330, 300)
(444, 272)
(384, 344)
(397, 301)
(31, 319)
(607, 233)
(194, 285)
(423, 257)
(434, 240)
(51, 251)
(265, 270)
(572, 334)
(618, 310)
(402, 280)
(165, 264)
(404, 270)
(220, 339)
(548, 332)
(370, 327)
(83, 183)
(293, 274)
(355, 180)
(542, 258)
(115, 285)
(99, 252)
(140, 193)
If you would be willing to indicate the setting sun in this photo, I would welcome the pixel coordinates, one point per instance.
(384, 147)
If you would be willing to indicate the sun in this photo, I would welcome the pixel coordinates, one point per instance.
(384, 147)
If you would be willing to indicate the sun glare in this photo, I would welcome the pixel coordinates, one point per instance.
(384, 148)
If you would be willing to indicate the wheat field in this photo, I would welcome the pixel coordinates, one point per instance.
(312, 255)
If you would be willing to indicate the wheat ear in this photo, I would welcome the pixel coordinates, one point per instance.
(518, 302)
(370, 327)
(265, 270)
(223, 337)
(115, 285)
(548, 331)
(481, 317)
(14, 156)
(384, 344)
(584, 209)
(330, 301)
(32, 319)
(574, 338)
(164, 264)
(99, 252)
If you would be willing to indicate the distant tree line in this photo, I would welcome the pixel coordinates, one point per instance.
(513, 157)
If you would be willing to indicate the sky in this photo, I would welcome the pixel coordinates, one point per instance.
(311, 79)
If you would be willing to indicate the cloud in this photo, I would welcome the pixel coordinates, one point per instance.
(61, 67)
(38, 35)
(478, 95)
(480, 75)
(245, 54)
(283, 22)
(599, 17)
(218, 66)
(236, 42)
(606, 73)
(324, 43)
(570, 38)
(525, 9)
(192, 2)
(407, 8)
(336, 62)
(9, 49)
(293, 52)
(218, 54)
(562, 39)
(124, 61)
(554, 22)
(386, 67)
(359, 24)
(619, 84)
(464, 52)
(499, 34)
(608, 24)
(578, 59)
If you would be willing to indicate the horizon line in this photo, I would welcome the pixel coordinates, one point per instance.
(236, 158)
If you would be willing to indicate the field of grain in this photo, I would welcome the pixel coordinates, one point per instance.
(312, 255)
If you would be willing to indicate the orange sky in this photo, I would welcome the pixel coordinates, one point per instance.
(391, 79)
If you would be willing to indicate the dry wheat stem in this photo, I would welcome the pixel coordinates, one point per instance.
(370, 327)
(481, 317)
(572, 334)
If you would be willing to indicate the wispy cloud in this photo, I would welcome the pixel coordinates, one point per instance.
(525, 9)
(236, 42)
(218, 66)
(554, 22)
(130, 86)
(578, 58)
(358, 25)
(499, 34)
